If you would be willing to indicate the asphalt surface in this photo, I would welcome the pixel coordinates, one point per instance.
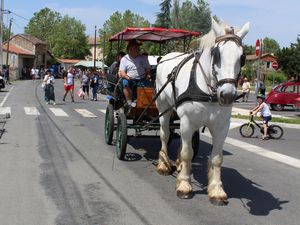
(58, 170)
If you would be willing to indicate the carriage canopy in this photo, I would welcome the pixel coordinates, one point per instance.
(153, 34)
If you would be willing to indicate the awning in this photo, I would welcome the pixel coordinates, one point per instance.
(90, 64)
(153, 34)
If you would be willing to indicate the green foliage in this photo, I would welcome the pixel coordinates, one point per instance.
(164, 16)
(192, 17)
(116, 23)
(289, 59)
(68, 39)
(249, 50)
(274, 119)
(6, 32)
(42, 23)
(270, 46)
(65, 36)
(201, 21)
(247, 71)
(277, 77)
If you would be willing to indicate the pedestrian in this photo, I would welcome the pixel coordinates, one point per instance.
(36, 73)
(32, 73)
(246, 87)
(69, 83)
(42, 73)
(94, 84)
(265, 114)
(6, 75)
(260, 87)
(85, 83)
(49, 88)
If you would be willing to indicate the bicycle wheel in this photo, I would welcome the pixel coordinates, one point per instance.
(275, 131)
(247, 130)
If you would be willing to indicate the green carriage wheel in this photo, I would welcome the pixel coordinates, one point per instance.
(109, 124)
(121, 136)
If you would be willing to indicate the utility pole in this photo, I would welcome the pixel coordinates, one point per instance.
(95, 46)
(7, 50)
(1, 35)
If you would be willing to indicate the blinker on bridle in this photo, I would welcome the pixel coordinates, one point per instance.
(215, 53)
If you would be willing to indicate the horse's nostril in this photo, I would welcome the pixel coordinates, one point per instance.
(221, 95)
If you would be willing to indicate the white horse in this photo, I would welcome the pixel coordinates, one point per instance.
(201, 89)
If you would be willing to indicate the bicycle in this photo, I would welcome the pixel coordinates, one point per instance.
(247, 129)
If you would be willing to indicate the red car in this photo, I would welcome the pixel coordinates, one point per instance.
(284, 94)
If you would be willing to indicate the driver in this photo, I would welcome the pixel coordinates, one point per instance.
(133, 68)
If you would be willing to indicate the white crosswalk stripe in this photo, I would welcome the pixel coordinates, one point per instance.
(85, 113)
(59, 112)
(4, 110)
(32, 111)
(102, 110)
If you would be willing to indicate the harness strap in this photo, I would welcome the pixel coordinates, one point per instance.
(193, 92)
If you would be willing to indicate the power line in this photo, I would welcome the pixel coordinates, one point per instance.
(6, 11)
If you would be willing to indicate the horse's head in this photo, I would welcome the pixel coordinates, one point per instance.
(227, 58)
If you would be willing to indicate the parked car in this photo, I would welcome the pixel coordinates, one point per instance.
(2, 82)
(284, 94)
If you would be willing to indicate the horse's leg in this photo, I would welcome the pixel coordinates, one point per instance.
(216, 193)
(184, 163)
(164, 166)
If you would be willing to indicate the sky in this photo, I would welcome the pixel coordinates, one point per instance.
(276, 19)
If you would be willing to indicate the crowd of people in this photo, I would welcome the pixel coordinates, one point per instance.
(89, 79)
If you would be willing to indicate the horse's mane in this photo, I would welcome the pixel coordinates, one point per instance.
(208, 40)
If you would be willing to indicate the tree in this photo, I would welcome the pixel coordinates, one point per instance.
(175, 15)
(68, 39)
(249, 49)
(270, 46)
(5, 33)
(42, 23)
(289, 60)
(116, 23)
(201, 21)
(164, 16)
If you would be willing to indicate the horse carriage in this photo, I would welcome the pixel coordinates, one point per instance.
(201, 88)
(144, 117)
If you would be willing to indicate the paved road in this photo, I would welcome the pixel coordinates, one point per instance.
(287, 112)
(56, 169)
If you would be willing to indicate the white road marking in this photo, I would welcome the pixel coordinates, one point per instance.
(261, 151)
(58, 112)
(85, 113)
(102, 110)
(234, 125)
(32, 111)
(5, 98)
(254, 149)
(4, 110)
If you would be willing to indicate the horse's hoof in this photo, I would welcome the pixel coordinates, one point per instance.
(182, 195)
(218, 202)
(166, 172)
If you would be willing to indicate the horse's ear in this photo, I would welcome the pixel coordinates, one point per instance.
(218, 30)
(242, 33)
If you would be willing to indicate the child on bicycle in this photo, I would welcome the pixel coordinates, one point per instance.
(265, 114)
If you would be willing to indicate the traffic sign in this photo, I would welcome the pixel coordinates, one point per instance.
(257, 48)
(275, 65)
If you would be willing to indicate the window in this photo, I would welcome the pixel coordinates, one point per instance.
(281, 89)
(291, 89)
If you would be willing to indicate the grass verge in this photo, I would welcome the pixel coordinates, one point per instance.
(274, 119)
